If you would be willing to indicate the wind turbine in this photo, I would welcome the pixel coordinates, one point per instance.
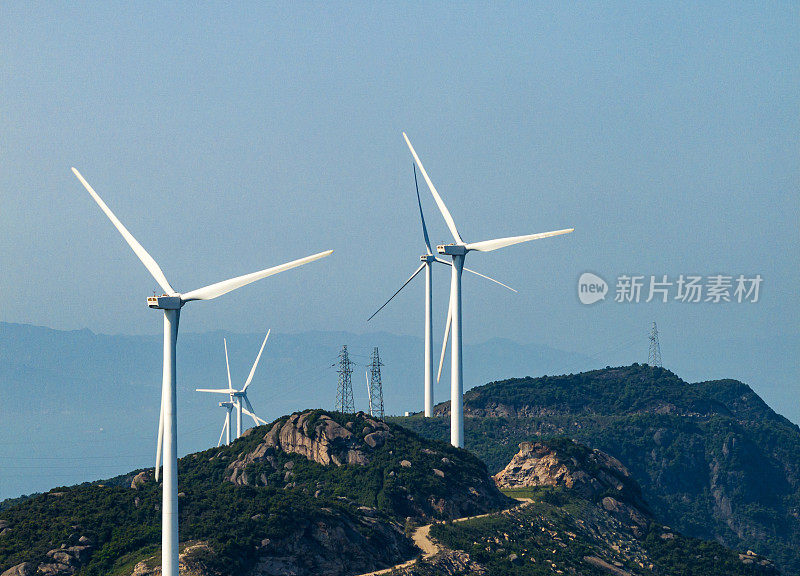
(171, 303)
(369, 392)
(427, 261)
(226, 427)
(458, 251)
(237, 396)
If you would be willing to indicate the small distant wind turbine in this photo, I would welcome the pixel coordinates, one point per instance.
(427, 259)
(458, 251)
(226, 427)
(369, 392)
(237, 396)
(171, 303)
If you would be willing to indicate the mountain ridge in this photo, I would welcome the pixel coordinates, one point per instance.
(713, 459)
(337, 506)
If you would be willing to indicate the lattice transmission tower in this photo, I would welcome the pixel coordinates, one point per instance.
(654, 356)
(375, 386)
(344, 391)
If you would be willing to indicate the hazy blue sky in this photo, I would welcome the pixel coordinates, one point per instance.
(232, 138)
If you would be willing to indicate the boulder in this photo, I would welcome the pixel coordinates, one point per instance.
(24, 569)
(139, 480)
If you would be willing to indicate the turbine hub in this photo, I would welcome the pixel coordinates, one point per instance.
(427, 258)
(165, 302)
(452, 249)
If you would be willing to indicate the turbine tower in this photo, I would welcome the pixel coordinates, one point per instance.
(236, 396)
(226, 427)
(458, 251)
(369, 392)
(427, 260)
(171, 303)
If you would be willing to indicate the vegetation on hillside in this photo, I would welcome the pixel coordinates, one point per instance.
(236, 521)
(561, 533)
(713, 460)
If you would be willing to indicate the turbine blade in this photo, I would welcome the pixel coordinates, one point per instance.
(442, 261)
(439, 202)
(251, 412)
(489, 278)
(417, 271)
(140, 252)
(213, 290)
(253, 369)
(160, 444)
(421, 216)
(489, 245)
(255, 418)
(218, 390)
(227, 364)
(221, 434)
(369, 392)
(446, 335)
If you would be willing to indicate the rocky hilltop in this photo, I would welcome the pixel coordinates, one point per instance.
(583, 514)
(318, 438)
(712, 458)
(590, 474)
(432, 482)
(311, 493)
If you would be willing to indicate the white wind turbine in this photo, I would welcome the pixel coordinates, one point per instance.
(236, 397)
(458, 251)
(427, 260)
(171, 303)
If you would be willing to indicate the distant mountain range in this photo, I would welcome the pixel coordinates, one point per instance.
(77, 406)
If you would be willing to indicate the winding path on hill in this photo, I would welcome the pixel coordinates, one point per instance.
(430, 548)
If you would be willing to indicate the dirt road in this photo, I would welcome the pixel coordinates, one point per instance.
(429, 548)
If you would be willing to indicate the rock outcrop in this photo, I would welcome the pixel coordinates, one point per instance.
(592, 474)
(318, 438)
(63, 561)
(24, 569)
(334, 544)
(186, 566)
(140, 479)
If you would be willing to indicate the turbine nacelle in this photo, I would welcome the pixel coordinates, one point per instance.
(165, 302)
(452, 249)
